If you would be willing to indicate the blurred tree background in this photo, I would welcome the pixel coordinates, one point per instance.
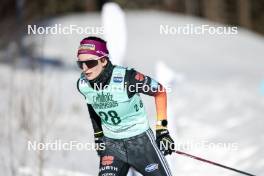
(16, 14)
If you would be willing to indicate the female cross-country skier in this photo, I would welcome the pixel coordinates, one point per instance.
(118, 114)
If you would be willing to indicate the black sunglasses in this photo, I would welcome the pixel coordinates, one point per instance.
(88, 63)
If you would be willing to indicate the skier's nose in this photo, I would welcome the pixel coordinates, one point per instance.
(84, 66)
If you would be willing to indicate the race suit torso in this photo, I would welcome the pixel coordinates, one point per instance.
(121, 116)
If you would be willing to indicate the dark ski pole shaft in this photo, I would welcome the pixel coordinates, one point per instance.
(214, 163)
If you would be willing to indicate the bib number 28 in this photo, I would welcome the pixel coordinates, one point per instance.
(112, 115)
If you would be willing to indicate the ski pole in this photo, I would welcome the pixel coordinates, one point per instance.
(213, 163)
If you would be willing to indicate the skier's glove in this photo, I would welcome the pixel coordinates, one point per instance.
(164, 141)
(99, 142)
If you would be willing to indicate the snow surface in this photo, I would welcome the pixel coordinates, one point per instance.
(216, 98)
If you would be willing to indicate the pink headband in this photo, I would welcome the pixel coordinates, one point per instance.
(92, 47)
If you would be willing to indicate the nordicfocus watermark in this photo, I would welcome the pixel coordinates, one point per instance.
(58, 145)
(64, 30)
(142, 87)
(204, 144)
(191, 29)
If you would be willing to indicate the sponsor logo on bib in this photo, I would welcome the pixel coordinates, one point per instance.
(103, 101)
(118, 79)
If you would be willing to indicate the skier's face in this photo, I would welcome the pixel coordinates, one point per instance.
(93, 67)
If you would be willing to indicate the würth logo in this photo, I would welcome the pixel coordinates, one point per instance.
(107, 160)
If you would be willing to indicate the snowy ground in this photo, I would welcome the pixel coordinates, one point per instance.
(216, 98)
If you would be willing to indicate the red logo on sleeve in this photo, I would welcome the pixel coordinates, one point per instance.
(139, 76)
(107, 160)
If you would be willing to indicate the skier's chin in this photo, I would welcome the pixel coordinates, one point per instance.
(90, 76)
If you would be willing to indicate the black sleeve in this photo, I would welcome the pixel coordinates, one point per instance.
(137, 82)
(96, 121)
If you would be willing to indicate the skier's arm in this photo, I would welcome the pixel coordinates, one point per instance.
(95, 119)
(149, 86)
(98, 132)
(161, 106)
(139, 83)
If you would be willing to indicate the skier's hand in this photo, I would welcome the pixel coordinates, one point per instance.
(164, 141)
(99, 142)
